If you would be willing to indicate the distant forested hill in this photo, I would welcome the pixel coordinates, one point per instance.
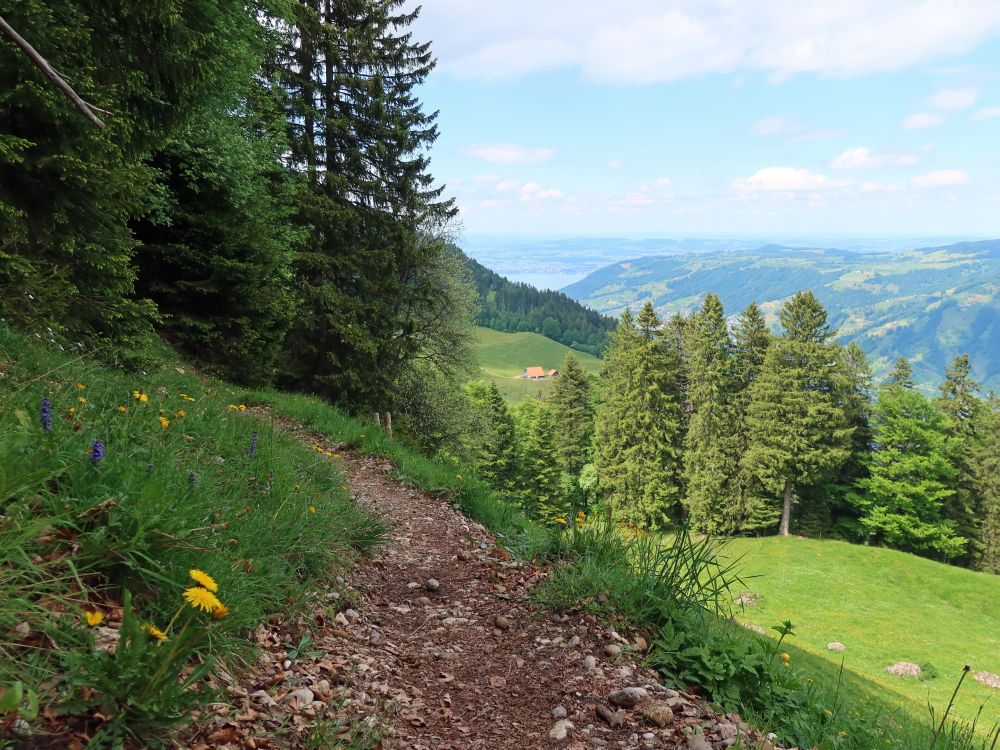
(927, 305)
(515, 307)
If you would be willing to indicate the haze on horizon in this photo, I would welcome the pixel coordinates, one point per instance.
(870, 118)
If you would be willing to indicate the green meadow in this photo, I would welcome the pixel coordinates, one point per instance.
(503, 357)
(884, 606)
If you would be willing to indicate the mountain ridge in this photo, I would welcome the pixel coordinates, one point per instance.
(927, 304)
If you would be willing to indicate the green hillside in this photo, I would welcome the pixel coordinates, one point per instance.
(884, 606)
(927, 305)
(503, 357)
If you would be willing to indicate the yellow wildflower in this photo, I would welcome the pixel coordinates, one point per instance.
(72, 410)
(135, 395)
(785, 656)
(164, 422)
(200, 576)
(201, 598)
(143, 397)
(155, 632)
(82, 400)
(243, 407)
(312, 508)
(181, 413)
(561, 521)
(458, 476)
(186, 397)
(81, 386)
(94, 618)
(122, 409)
(233, 407)
(221, 611)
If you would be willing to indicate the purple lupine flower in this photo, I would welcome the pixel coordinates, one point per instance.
(46, 414)
(253, 445)
(96, 452)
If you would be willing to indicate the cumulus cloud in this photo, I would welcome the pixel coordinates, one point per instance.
(532, 192)
(786, 180)
(941, 178)
(861, 157)
(508, 153)
(923, 120)
(954, 98)
(636, 41)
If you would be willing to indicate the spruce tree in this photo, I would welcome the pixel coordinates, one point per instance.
(539, 477)
(493, 441)
(360, 138)
(751, 340)
(570, 400)
(960, 403)
(911, 477)
(797, 426)
(985, 464)
(638, 431)
(902, 374)
(711, 458)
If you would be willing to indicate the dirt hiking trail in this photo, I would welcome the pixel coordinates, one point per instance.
(434, 642)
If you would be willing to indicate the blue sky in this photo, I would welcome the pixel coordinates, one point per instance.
(718, 117)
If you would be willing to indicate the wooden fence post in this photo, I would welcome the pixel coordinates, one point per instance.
(378, 420)
(388, 423)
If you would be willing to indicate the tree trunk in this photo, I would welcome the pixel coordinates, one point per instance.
(786, 510)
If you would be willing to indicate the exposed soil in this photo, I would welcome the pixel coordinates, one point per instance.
(460, 661)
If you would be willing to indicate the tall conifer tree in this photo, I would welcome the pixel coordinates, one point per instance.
(638, 431)
(711, 459)
(571, 405)
(494, 443)
(798, 430)
(539, 475)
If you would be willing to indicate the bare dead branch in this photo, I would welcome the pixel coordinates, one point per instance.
(41, 62)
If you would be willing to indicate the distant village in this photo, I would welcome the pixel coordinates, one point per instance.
(538, 373)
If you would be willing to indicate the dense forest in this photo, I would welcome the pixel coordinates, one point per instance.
(255, 190)
(736, 430)
(515, 307)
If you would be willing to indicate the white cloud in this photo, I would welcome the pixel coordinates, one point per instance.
(987, 113)
(507, 186)
(635, 41)
(954, 98)
(776, 125)
(873, 187)
(614, 164)
(861, 157)
(941, 178)
(785, 180)
(923, 120)
(642, 197)
(508, 153)
(532, 192)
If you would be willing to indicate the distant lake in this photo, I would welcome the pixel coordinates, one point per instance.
(553, 281)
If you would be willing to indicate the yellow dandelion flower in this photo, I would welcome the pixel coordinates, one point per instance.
(136, 395)
(143, 397)
(72, 410)
(81, 386)
(561, 521)
(243, 407)
(155, 632)
(122, 409)
(94, 618)
(164, 422)
(186, 397)
(201, 598)
(82, 400)
(221, 611)
(786, 657)
(233, 407)
(200, 576)
(181, 413)
(312, 508)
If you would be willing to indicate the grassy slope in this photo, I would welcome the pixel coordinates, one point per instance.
(503, 357)
(885, 606)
